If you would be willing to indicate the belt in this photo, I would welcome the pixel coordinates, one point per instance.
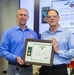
(56, 66)
(60, 65)
(16, 64)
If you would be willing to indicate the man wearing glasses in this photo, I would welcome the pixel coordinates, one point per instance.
(63, 43)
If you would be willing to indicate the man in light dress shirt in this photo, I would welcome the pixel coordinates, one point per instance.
(63, 43)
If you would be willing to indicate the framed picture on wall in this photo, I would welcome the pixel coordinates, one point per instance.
(44, 13)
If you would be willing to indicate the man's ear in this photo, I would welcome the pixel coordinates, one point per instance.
(58, 18)
(16, 19)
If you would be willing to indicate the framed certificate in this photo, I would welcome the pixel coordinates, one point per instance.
(38, 52)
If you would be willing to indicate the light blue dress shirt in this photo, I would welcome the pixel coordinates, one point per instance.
(65, 40)
(13, 42)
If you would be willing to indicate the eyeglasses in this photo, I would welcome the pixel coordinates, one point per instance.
(52, 17)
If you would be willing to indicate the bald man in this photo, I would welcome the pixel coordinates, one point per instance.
(12, 45)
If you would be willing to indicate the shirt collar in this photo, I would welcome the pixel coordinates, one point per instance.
(19, 28)
(58, 30)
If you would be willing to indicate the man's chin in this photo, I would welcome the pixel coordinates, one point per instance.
(53, 25)
(22, 24)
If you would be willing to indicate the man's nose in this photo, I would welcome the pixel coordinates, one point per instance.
(52, 17)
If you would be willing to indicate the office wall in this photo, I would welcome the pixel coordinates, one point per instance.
(8, 9)
(8, 13)
(29, 5)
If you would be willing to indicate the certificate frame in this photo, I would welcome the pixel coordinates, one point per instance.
(38, 52)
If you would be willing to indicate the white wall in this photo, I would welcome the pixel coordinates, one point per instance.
(29, 5)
